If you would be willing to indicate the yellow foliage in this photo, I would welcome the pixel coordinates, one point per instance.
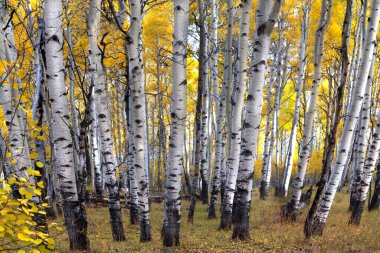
(17, 225)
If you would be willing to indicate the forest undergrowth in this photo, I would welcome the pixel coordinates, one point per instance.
(268, 232)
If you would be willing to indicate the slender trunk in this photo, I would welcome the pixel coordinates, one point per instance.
(300, 82)
(205, 120)
(220, 103)
(237, 108)
(362, 138)
(134, 48)
(266, 16)
(172, 209)
(349, 127)
(307, 137)
(198, 110)
(104, 120)
(365, 181)
(375, 201)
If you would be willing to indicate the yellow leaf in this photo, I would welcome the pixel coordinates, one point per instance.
(37, 191)
(50, 240)
(34, 155)
(42, 138)
(22, 191)
(41, 184)
(12, 180)
(39, 164)
(23, 237)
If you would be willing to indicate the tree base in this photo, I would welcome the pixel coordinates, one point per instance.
(116, 224)
(190, 212)
(264, 190)
(76, 224)
(171, 227)
(145, 235)
(50, 213)
(133, 214)
(356, 212)
(225, 220)
(289, 212)
(241, 215)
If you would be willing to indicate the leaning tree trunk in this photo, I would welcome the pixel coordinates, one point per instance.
(172, 209)
(332, 135)
(266, 17)
(375, 201)
(104, 120)
(134, 48)
(362, 138)
(9, 101)
(238, 101)
(365, 180)
(349, 127)
(74, 213)
(305, 148)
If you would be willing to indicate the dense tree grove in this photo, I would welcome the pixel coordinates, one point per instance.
(126, 103)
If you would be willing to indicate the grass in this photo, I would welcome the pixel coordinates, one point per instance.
(268, 233)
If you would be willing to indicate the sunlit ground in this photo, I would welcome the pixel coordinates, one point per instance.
(268, 233)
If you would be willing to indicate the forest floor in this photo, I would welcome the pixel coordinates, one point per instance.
(268, 233)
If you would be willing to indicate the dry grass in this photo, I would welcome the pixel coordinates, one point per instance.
(268, 233)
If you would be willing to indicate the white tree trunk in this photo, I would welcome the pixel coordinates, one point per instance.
(362, 138)
(365, 180)
(75, 218)
(227, 82)
(300, 81)
(305, 149)
(134, 48)
(9, 101)
(104, 120)
(205, 120)
(220, 103)
(266, 16)
(172, 210)
(352, 118)
(237, 107)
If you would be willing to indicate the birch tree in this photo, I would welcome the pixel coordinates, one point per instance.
(331, 137)
(134, 48)
(104, 120)
(74, 213)
(305, 149)
(220, 102)
(172, 209)
(300, 82)
(227, 82)
(198, 110)
(266, 17)
(362, 140)
(238, 100)
(365, 180)
(349, 126)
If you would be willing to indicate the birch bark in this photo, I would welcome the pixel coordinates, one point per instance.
(63, 144)
(134, 48)
(172, 209)
(352, 118)
(266, 16)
